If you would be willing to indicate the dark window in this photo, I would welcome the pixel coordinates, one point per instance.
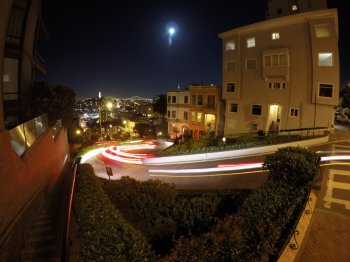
(230, 87)
(186, 115)
(168, 113)
(326, 90)
(233, 107)
(173, 114)
(194, 99)
(173, 100)
(16, 22)
(211, 102)
(279, 11)
(256, 110)
(200, 100)
(185, 99)
(169, 99)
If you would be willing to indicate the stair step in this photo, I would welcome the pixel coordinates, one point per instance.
(42, 252)
(42, 223)
(30, 239)
(34, 242)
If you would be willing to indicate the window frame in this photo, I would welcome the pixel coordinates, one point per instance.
(251, 59)
(294, 112)
(319, 26)
(325, 62)
(234, 66)
(231, 106)
(256, 105)
(325, 85)
(275, 35)
(232, 85)
(232, 43)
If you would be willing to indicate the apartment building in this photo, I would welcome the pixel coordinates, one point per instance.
(21, 27)
(282, 73)
(178, 113)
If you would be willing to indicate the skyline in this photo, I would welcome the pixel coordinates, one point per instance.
(104, 48)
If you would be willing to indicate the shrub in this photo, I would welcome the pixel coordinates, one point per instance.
(295, 165)
(105, 235)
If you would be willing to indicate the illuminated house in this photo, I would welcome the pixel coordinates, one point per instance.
(178, 113)
(194, 112)
(205, 106)
(282, 72)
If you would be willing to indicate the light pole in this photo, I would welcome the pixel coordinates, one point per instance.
(109, 105)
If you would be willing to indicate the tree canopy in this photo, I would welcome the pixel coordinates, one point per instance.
(160, 104)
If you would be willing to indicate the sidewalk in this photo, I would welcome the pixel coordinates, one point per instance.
(329, 235)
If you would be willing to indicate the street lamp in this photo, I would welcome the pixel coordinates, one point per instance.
(109, 105)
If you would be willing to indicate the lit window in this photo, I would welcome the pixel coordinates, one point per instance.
(325, 59)
(193, 116)
(325, 90)
(294, 7)
(199, 117)
(275, 36)
(251, 42)
(230, 66)
(173, 114)
(233, 108)
(294, 112)
(230, 87)
(256, 110)
(230, 45)
(251, 63)
(322, 31)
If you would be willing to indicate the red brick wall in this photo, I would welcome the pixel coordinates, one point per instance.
(22, 177)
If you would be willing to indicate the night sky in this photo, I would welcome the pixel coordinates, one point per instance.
(122, 48)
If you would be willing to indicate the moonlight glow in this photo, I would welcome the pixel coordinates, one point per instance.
(171, 32)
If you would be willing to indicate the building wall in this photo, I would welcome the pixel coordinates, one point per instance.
(5, 11)
(302, 74)
(22, 177)
(180, 107)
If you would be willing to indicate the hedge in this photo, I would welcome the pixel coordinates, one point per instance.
(105, 235)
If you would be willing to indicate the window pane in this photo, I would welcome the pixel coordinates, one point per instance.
(199, 117)
(256, 110)
(185, 99)
(194, 99)
(325, 59)
(275, 60)
(283, 59)
(251, 63)
(211, 102)
(230, 87)
(186, 115)
(193, 116)
(267, 60)
(233, 107)
(326, 90)
(230, 66)
(174, 99)
(322, 31)
(251, 42)
(230, 45)
(275, 35)
(200, 100)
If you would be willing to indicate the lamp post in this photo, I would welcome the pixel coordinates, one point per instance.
(109, 105)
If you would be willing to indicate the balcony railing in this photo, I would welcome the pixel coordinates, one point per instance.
(24, 135)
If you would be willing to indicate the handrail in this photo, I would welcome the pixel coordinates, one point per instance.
(65, 239)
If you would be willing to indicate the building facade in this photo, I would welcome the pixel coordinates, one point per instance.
(205, 105)
(178, 113)
(21, 27)
(282, 73)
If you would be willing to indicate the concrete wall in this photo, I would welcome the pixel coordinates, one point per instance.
(21, 179)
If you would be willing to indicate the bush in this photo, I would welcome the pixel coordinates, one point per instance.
(295, 165)
(105, 235)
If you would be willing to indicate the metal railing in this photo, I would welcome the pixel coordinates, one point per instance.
(65, 239)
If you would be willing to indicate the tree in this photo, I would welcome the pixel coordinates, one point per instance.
(57, 101)
(160, 104)
(143, 129)
(345, 96)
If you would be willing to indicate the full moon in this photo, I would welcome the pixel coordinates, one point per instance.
(171, 31)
